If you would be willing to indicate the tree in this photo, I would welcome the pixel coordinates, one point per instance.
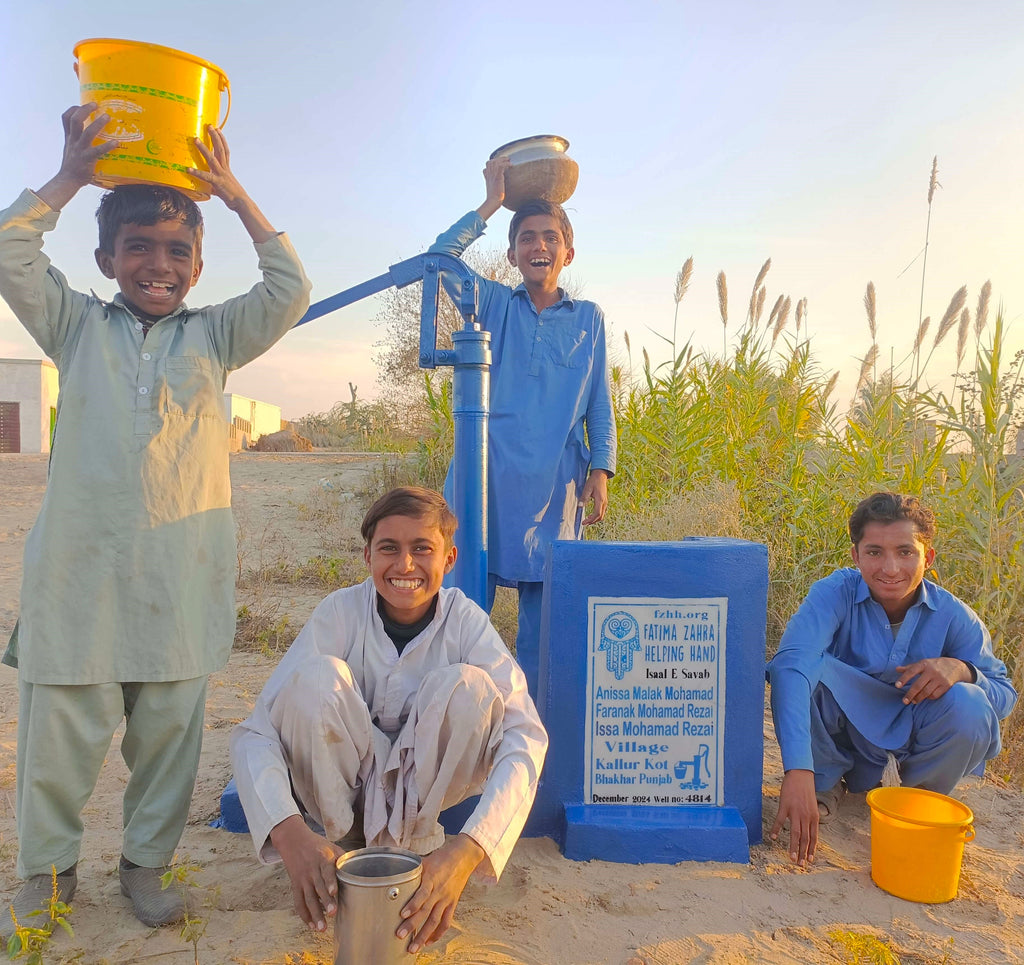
(397, 353)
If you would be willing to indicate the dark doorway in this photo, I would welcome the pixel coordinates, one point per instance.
(10, 427)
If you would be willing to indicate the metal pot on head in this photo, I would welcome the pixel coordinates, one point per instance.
(538, 168)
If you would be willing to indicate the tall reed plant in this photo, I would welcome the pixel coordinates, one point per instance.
(753, 445)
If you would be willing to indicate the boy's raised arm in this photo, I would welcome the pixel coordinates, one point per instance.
(494, 179)
(78, 164)
(227, 187)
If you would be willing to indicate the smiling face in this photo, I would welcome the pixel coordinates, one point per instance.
(892, 560)
(408, 560)
(154, 265)
(540, 252)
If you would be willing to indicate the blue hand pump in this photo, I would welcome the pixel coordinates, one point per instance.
(471, 360)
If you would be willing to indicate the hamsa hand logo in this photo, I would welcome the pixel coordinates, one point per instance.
(620, 638)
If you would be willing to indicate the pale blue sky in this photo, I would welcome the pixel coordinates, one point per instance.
(730, 131)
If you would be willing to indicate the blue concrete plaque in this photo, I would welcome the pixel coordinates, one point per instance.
(651, 687)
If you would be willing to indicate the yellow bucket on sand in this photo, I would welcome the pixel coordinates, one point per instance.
(158, 100)
(917, 842)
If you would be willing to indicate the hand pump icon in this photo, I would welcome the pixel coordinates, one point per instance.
(694, 765)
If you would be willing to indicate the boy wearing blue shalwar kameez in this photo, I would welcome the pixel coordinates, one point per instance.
(880, 668)
(551, 447)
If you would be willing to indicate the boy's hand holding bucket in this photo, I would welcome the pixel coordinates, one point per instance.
(78, 163)
(226, 186)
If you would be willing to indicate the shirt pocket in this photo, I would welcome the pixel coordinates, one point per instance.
(193, 388)
(566, 345)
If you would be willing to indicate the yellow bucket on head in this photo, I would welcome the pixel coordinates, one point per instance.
(917, 842)
(158, 100)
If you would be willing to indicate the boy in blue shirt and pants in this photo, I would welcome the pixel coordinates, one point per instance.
(551, 448)
(881, 670)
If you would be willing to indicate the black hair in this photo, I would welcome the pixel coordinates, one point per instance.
(892, 508)
(540, 206)
(416, 503)
(145, 204)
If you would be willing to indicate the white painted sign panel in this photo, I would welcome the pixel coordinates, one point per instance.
(655, 701)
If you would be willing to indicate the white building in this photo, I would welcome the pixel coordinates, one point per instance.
(28, 409)
(28, 404)
(250, 419)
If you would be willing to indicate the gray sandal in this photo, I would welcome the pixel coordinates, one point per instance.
(35, 895)
(152, 903)
(829, 801)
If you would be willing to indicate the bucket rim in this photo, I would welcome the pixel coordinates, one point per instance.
(143, 43)
(351, 877)
(872, 799)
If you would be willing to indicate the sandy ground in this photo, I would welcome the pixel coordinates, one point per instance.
(545, 909)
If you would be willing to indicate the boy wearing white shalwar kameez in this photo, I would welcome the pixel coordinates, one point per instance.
(397, 700)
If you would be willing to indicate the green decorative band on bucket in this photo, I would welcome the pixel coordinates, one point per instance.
(138, 89)
(152, 162)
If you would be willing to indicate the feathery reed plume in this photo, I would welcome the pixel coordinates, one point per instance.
(933, 183)
(683, 279)
(780, 319)
(830, 385)
(869, 307)
(775, 311)
(761, 292)
(682, 283)
(647, 360)
(866, 368)
(961, 336)
(801, 310)
(625, 338)
(761, 274)
(922, 330)
(981, 315)
(723, 308)
(951, 315)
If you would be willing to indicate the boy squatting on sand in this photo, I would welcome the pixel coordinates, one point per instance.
(881, 668)
(397, 700)
(127, 600)
(551, 446)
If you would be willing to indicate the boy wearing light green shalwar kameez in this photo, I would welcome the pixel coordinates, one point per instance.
(127, 600)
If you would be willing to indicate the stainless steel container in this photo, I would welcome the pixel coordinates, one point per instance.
(538, 168)
(373, 886)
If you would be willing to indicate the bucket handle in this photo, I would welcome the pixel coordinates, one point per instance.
(969, 832)
(225, 84)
